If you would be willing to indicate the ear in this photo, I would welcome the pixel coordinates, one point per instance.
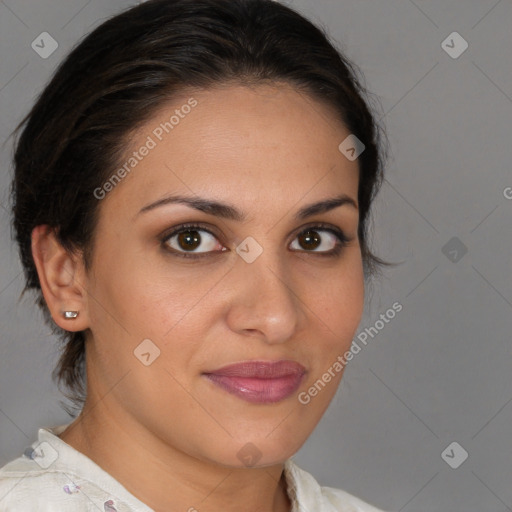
(62, 278)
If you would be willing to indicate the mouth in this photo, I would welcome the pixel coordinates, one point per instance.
(260, 382)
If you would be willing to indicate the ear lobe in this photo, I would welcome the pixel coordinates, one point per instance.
(62, 278)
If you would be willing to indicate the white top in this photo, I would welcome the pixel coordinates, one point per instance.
(51, 476)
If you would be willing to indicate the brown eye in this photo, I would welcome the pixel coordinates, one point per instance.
(189, 240)
(319, 240)
(197, 241)
(309, 240)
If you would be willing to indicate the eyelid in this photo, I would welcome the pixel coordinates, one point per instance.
(324, 226)
(188, 226)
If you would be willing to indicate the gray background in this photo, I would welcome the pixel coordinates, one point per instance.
(439, 372)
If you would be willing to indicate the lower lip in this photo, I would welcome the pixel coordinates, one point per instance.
(260, 391)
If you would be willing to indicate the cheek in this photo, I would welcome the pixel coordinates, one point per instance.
(140, 295)
(347, 307)
(338, 314)
(172, 309)
(340, 301)
(133, 304)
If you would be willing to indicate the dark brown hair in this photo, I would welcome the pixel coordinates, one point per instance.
(118, 77)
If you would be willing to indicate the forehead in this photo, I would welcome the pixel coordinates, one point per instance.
(238, 143)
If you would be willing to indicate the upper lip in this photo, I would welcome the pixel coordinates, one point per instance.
(260, 369)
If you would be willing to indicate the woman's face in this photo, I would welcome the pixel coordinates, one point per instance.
(257, 286)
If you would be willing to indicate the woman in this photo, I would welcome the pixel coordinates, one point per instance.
(191, 201)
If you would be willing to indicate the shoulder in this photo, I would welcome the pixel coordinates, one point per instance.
(53, 477)
(307, 494)
(25, 487)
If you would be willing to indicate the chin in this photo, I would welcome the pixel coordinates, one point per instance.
(257, 452)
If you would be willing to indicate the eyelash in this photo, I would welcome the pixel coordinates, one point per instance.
(342, 240)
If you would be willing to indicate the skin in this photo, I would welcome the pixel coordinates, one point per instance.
(268, 151)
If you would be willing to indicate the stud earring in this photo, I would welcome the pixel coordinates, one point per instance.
(70, 314)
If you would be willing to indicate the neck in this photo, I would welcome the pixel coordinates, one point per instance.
(165, 478)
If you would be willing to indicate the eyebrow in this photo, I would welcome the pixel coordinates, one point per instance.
(229, 212)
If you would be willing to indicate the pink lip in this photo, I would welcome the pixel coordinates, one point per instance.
(259, 381)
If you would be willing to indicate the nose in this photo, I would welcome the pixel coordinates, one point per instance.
(263, 302)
